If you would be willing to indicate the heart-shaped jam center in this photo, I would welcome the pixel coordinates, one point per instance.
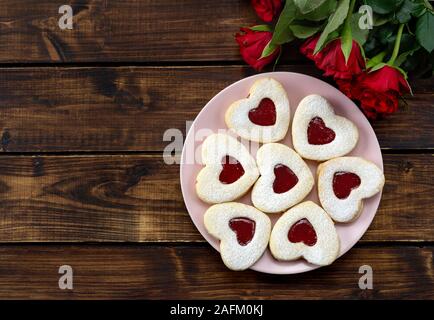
(232, 170)
(244, 228)
(318, 133)
(344, 182)
(264, 114)
(285, 179)
(302, 231)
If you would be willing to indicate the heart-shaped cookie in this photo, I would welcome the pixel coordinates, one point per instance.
(264, 115)
(243, 231)
(305, 231)
(229, 170)
(285, 178)
(318, 133)
(344, 182)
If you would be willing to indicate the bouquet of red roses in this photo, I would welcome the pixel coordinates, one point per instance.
(367, 46)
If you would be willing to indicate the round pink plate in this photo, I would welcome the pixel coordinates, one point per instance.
(297, 86)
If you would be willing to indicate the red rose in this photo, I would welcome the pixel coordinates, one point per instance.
(267, 10)
(373, 103)
(332, 61)
(252, 43)
(308, 47)
(379, 91)
(331, 58)
(386, 79)
(346, 86)
(376, 104)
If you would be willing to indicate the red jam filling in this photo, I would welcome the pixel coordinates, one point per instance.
(318, 133)
(344, 182)
(264, 114)
(302, 231)
(244, 228)
(285, 179)
(232, 170)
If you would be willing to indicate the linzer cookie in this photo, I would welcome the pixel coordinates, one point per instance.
(243, 232)
(344, 182)
(305, 231)
(229, 170)
(318, 133)
(285, 178)
(264, 115)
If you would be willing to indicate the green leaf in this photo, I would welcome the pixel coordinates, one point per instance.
(362, 51)
(403, 56)
(346, 46)
(380, 19)
(375, 60)
(384, 6)
(420, 12)
(282, 33)
(408, 42)
(334, 22)
(261, 27)
(360, 35)
(378, 39)
(377, 67)
(346, 41)
(385, 33)
(372, 45)
(303, 32)
(268, 50)
(428, 5)
(322, 12)
(407, 10)
(424, 31)
(420, 7)
(288, 37)
(277, 60)
(332, 36)
(420, 63)
(306, 6)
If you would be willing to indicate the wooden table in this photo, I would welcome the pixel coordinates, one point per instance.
(83, 182)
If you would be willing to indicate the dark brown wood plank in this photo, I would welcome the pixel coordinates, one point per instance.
(92, 198)
(123, 30)
(407, 193)
(156, 272)
(137, 198)
(130, 108)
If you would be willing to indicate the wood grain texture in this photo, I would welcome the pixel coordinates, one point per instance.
(157, 272)
(123, 30)
(138, 198)
(130, 108)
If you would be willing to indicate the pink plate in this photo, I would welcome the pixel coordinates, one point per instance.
(211, 119)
